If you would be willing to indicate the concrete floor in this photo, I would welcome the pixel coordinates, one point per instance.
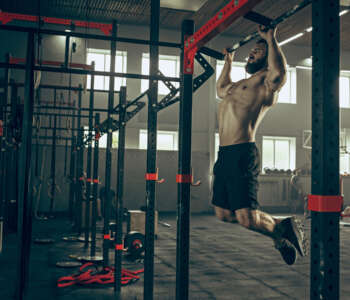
(227, 262)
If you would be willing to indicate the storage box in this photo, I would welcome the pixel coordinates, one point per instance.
(137, 219)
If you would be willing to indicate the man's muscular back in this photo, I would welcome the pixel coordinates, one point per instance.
(243, 107)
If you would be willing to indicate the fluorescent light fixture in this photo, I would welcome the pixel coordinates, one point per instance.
(343, 12)
(309, 29)
(304, 67)
(291, 38)
(68, 30)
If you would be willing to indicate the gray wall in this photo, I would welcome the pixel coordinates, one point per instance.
(282, 120)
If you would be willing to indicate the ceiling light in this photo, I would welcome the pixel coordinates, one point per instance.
(304, 67)
(308, 29)
(343, 12)
(291, 38)
(68, 30)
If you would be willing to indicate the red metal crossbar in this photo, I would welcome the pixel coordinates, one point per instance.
(223, 19)
(6, 17)
(15, 60)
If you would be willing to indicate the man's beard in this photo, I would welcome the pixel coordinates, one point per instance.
(254, 67)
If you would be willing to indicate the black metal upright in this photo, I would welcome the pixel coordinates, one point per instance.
(72, 176)
(53, 161)
(151, 152)
(184, 174)
(120, 189)
(79, 166)
(3, 105)
(24, 234)
(95, 187)
(66, 51)
(108, 199)
(325, 149)
(80, 180)
(13, 136)
(72, 165)
(88, 161)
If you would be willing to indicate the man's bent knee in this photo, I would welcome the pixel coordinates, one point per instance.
(224, 215)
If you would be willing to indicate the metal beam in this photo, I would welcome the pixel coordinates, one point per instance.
(89, 72)
(88, 36)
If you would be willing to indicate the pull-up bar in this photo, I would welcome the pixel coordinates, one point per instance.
(255, 17)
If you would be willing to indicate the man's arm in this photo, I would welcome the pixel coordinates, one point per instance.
(225, 77)
(276, 72)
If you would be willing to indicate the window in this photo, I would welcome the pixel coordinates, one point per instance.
(166, 140)
(344, 91)
(278, 153)
(103, 139)
(237, 72)
(344, 165)
(217, 145)
(102, 59)
(168, 65)
(288, 93)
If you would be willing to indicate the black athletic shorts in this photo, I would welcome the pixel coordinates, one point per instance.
(236, 177)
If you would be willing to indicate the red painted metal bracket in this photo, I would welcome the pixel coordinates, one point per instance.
(6, 17)
(154, 177)
(223, 19)
(187, 178)
(322, 203)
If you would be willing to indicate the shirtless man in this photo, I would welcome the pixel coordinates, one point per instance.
(236, 170)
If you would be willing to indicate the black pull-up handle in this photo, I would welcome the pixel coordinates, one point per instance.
(258, 18)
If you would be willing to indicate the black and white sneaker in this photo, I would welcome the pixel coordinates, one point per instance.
(291, 229)
(287, 250)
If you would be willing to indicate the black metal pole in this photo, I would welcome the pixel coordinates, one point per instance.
(325, 148)
(108, 199)
(151, 153)
(11, 181)
(3, 105)
(72, 177)
(72, 165)
(66, 52)
(80, 180)
(79, 166)
(53, 162)
(95, 188)
(184, 167)
(120, 190)
(88, 162)
(24, 234)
